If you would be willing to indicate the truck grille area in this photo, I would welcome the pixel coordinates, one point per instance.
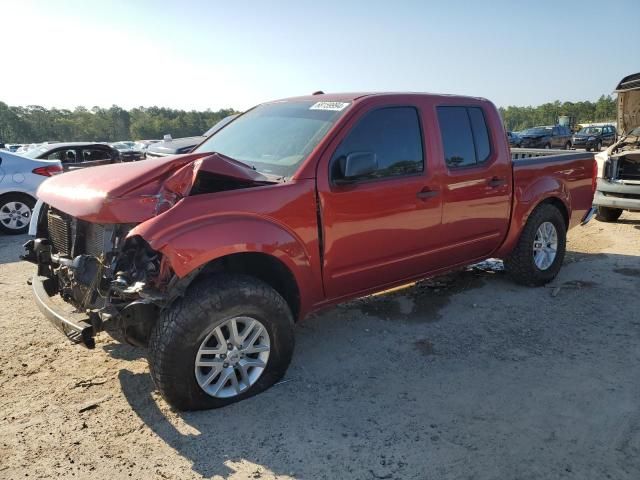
(71, 237)
(59, 227)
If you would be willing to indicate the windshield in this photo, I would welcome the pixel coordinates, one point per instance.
(275, 138)
(590, 131)
(120, 146)
(538, 131)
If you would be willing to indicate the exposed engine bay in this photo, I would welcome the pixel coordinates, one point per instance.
(101, 266)
(624, 158)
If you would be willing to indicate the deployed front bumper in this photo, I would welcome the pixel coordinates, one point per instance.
(76, 326)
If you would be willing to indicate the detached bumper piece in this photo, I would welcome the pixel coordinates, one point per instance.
(75, 326)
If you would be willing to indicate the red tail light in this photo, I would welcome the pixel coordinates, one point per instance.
(48, 171)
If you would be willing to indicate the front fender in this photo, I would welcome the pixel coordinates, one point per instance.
(188, 247)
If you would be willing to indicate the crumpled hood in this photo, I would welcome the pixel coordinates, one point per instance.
(135, 192)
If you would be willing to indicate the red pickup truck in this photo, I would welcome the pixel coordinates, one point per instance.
(210, 258)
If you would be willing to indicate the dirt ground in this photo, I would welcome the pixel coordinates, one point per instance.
(464, 377)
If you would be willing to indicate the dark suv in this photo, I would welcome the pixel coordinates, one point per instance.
(595, 137)
(557, 136)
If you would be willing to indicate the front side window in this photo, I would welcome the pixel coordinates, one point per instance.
(65, 156)
(275, 138)
(465, 137)
(391, 137)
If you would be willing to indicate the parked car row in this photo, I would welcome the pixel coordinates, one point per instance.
(592, 137)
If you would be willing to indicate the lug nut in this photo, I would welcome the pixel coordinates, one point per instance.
(225, 365)
(223, 356)
(229, 346)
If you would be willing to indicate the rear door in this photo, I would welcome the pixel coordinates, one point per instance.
(384, 227)
(477, 183)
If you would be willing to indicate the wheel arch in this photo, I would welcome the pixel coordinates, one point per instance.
(262, 266)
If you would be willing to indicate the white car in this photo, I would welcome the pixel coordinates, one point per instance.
(20, 178)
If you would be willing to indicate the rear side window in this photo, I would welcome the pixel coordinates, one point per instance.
(465, 136)
(393, 135)
(94, 154)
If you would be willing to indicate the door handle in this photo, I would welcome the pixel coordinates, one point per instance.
(496, 182)
(425, 193)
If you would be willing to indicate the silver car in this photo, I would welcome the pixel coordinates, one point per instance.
(20, 177)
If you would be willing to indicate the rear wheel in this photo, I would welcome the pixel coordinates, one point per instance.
(230, 337)
(547, 146)
(607, 214)
(15, 213)
(538, 256)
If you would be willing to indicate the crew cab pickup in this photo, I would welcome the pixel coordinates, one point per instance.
(209, 258)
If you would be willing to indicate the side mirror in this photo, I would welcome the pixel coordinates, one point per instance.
(356, 165)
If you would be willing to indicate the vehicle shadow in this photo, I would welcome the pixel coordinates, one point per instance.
(446, 387)
(11, 247)
(628, 221)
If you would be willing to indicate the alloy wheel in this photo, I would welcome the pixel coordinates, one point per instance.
(545, 245)
(15, 215)
(232, 357)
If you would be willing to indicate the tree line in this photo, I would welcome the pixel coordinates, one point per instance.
(33, 123)
(519, 118)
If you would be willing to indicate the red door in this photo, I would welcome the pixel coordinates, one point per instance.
(381, 227)
(476, 182)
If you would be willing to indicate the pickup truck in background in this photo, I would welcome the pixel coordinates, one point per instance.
(619, 166)
(209, 259)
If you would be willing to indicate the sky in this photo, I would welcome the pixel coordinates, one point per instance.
(220, 54)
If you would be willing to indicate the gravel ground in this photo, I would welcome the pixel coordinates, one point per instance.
(467, 376)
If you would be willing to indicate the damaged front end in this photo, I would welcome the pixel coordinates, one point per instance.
(93, 272)
(91, 277)
(619, 167)
(619, 182)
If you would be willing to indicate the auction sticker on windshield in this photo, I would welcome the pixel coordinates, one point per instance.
(333, 106)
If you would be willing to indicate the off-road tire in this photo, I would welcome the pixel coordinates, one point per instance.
(17, 197)
(608, 214)
(181, 328)
(520, 265)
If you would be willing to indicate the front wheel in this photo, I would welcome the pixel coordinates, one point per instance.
(567, 146)
(230, 337)
(607, 214)
(538, 256)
